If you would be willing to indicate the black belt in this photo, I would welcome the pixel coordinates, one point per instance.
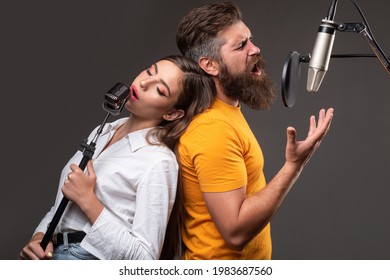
(73, 237)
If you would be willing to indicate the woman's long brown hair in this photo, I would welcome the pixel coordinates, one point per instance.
(198, 93)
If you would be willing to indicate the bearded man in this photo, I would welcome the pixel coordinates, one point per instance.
(227, 203)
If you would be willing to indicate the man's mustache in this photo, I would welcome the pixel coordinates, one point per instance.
(257, 60)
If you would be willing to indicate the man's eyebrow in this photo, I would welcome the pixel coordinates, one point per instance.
(161, 80)
(245, 41)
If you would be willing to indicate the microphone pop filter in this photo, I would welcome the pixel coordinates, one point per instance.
(291, 77)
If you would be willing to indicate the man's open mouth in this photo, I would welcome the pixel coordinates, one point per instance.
(256, 70)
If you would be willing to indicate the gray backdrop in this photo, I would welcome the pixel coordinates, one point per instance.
(58, 58)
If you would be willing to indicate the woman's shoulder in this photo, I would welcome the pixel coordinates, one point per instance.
(159, 151)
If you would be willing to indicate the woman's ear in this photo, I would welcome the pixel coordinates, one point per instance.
(210, 66)
(173, 115)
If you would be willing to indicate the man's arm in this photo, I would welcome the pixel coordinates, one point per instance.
(240, 218)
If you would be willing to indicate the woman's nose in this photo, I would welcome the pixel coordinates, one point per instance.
(145, 83)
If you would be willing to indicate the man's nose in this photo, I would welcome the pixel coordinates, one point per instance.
(253, 49)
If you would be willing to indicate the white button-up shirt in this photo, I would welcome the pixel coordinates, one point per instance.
(136, 182)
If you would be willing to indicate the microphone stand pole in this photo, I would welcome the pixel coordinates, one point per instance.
(88, 152)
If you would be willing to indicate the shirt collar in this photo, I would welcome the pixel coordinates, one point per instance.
(137, 139)
(108, 127)
(219, 103)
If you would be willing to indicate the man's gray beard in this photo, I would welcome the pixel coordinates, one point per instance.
(257, 92)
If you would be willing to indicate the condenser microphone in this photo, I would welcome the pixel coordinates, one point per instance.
(320, 57)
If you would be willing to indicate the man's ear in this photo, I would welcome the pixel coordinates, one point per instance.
(210, 66)
(173, 115)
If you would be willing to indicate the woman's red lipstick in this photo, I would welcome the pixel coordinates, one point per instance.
(133, 93)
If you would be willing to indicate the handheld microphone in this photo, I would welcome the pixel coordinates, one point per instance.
(115, 98)
(319, 61)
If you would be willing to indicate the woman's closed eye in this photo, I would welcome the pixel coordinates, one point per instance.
(160, 92)
(151, 71)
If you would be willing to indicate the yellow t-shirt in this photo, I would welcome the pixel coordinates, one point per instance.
(219, 153)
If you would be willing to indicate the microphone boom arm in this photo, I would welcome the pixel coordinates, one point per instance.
(361, 28)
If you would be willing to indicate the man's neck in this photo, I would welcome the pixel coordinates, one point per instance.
(222, 96)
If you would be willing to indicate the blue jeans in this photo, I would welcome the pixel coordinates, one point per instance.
(71, 251)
